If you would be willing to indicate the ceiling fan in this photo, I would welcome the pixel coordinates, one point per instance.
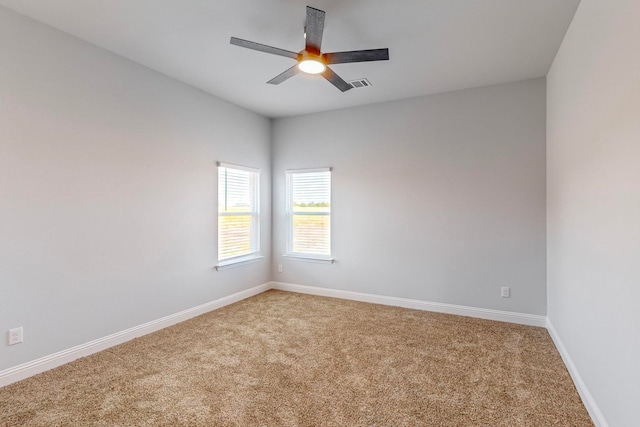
(311, 60)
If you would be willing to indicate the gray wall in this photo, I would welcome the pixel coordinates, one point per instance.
(108, 191)
(438, 198)
(594, 202)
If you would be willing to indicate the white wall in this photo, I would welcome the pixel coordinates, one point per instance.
(108, 191)
(594, 202)
(438, 198)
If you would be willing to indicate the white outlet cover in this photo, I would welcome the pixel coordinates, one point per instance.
(505, 292)
(15, 336)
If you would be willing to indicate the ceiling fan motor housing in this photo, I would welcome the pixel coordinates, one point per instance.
(303, 55)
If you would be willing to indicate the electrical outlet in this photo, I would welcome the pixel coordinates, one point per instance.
(505, 292)
(15, 336)
(279, 268)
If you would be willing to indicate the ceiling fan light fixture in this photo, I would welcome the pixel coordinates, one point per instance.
(311, 66)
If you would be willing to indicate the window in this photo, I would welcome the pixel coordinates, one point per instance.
(309, 214)
(238, 214)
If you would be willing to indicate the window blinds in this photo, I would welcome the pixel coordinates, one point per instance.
(309, 212)
(238, 212)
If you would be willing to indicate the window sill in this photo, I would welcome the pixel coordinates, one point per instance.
(238, 262)
(307, 258)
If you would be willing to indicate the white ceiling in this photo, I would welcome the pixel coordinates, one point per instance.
(434, 45)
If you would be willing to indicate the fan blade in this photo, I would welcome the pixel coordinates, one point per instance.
(314, 29)
(336, 80)
(263, 48)
(284, 75)
(356, 56)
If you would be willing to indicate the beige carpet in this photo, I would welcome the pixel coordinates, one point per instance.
(285, 359)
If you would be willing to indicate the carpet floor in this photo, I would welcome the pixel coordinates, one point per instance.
(286, 359)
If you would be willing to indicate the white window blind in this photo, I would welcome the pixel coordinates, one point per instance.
(238, 212)
(309, 213)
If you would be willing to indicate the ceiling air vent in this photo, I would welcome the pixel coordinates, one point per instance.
(360, 83)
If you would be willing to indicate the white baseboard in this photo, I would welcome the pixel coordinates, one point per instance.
(460, 310)
(25, 370)
(583, 391)
(51, 361)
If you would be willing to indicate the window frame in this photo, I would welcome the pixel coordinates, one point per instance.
(306, 256)
(254, 253)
